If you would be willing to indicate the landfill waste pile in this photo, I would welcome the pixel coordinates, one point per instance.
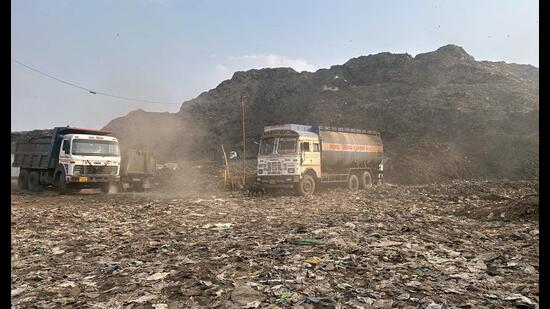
(442, 114)
(461, 244)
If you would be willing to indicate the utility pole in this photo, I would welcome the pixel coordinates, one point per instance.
(244, 143)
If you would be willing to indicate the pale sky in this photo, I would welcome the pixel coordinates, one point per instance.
(171, 51)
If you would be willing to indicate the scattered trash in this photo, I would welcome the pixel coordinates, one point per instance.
(329, 266)
(519, 299)
(157, 276)
(350, 225)
(18, 291)
(112, 267)
(433, 306)
(387, 243)
(57, 251)
(144, 298)
(217, 226)
(254, 304)
(246, 295)
(305, 242)
(530, 270)
(313, 262)
(285, 295)
(404, 250)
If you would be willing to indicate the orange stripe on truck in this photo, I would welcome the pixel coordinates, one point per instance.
(352, 147)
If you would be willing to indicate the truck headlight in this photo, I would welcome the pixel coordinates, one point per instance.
(76, 172)
(258, 179)
(291, 170)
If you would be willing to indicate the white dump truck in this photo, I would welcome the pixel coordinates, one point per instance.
(302, 158)
(69, 159)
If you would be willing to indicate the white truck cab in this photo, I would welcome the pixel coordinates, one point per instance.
(285, 153)
(89, 158)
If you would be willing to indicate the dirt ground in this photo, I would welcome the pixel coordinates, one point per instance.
(468, 244)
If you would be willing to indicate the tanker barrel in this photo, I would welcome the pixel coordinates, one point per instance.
(348, 148)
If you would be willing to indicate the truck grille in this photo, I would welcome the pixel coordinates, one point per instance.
(95, 170)
(274, 167)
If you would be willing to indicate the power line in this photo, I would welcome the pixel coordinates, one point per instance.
(88, 89)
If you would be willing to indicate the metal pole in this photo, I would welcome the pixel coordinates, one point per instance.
(226, 171)
(244, 144)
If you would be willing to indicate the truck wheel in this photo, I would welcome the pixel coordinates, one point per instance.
(23, 179)
(366, 180)
(105, 188)
(353, 182)
(34, 182)
(62, 185)
(306, 186)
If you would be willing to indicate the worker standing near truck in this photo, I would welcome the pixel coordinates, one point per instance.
(69, 159)
(302, 158)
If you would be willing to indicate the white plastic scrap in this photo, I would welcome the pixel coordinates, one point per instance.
(217, 226)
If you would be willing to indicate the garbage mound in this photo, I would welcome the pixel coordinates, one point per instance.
(442, 114)
(521, 209)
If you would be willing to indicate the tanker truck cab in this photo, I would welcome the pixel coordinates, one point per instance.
(286, 154)
(302, 158)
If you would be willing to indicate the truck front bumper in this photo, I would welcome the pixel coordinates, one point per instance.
(278, 181)
(83, 179)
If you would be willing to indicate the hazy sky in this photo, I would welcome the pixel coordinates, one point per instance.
(171, 51)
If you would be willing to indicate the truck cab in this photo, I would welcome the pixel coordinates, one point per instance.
(285, 155)
(89, 158)
(303, 157)
(70, 159)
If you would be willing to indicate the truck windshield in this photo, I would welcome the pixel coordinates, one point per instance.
(287, 145)
(83, 147)
(267, 145)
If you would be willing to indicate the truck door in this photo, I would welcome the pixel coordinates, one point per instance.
(65, 149)
(310, 152)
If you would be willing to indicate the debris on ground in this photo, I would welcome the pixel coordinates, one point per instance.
(429, 246)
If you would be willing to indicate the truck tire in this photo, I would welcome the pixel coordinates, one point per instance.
(105, 187)
(23, 179)
(62, 186)
(306, 186)
(366, 180)
(353, 182)
(34, 182)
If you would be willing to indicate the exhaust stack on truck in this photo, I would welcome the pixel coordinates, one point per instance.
(303, 157)
(69, 159)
